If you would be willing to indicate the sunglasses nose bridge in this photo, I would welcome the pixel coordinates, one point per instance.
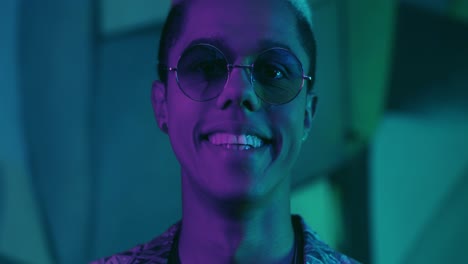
(243, 68)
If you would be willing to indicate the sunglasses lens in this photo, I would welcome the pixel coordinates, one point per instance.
(202, 72)
(278, 76)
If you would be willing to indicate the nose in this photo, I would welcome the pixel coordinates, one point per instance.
(239, 91)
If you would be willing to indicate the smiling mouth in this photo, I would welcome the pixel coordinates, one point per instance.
(236, 141)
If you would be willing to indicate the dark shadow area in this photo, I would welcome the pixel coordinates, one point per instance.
(428, 51)
(352, 179)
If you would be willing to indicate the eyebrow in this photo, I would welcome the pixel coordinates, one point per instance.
(269, 43)
(218, 42)
(222, 44)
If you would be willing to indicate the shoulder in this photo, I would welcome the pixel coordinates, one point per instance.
(318, 252)
(156, 251)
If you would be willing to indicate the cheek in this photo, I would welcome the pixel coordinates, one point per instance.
(182, 119)
(290, 131)
(294, 127)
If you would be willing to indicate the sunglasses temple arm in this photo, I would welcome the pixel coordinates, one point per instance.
(166, 68)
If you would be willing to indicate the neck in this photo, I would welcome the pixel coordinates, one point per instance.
(243, 232)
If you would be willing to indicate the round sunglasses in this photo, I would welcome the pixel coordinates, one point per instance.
(203, 70)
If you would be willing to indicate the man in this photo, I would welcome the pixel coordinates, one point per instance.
(235, 98)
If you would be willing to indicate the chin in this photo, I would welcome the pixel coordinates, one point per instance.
(244, 188)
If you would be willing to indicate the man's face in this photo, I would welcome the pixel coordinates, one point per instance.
(241, 29)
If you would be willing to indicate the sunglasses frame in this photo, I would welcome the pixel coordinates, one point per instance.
(230, 67)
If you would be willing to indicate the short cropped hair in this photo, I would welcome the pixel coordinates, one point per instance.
(175, 20)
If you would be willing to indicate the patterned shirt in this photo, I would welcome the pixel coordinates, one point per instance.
(161, 249)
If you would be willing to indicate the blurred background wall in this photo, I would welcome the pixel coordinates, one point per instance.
(85, 172)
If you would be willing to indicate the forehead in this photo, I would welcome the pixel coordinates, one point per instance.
(243, 26)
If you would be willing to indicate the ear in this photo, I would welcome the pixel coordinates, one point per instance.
(158, 100)
(310, 108)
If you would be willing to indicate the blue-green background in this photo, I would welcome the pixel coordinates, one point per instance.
(85, 172)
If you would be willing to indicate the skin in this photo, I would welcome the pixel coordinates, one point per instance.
(236, 204)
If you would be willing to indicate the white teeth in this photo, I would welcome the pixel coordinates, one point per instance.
(236, 146)
(230, 140)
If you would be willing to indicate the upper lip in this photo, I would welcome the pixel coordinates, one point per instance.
(236, 129)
